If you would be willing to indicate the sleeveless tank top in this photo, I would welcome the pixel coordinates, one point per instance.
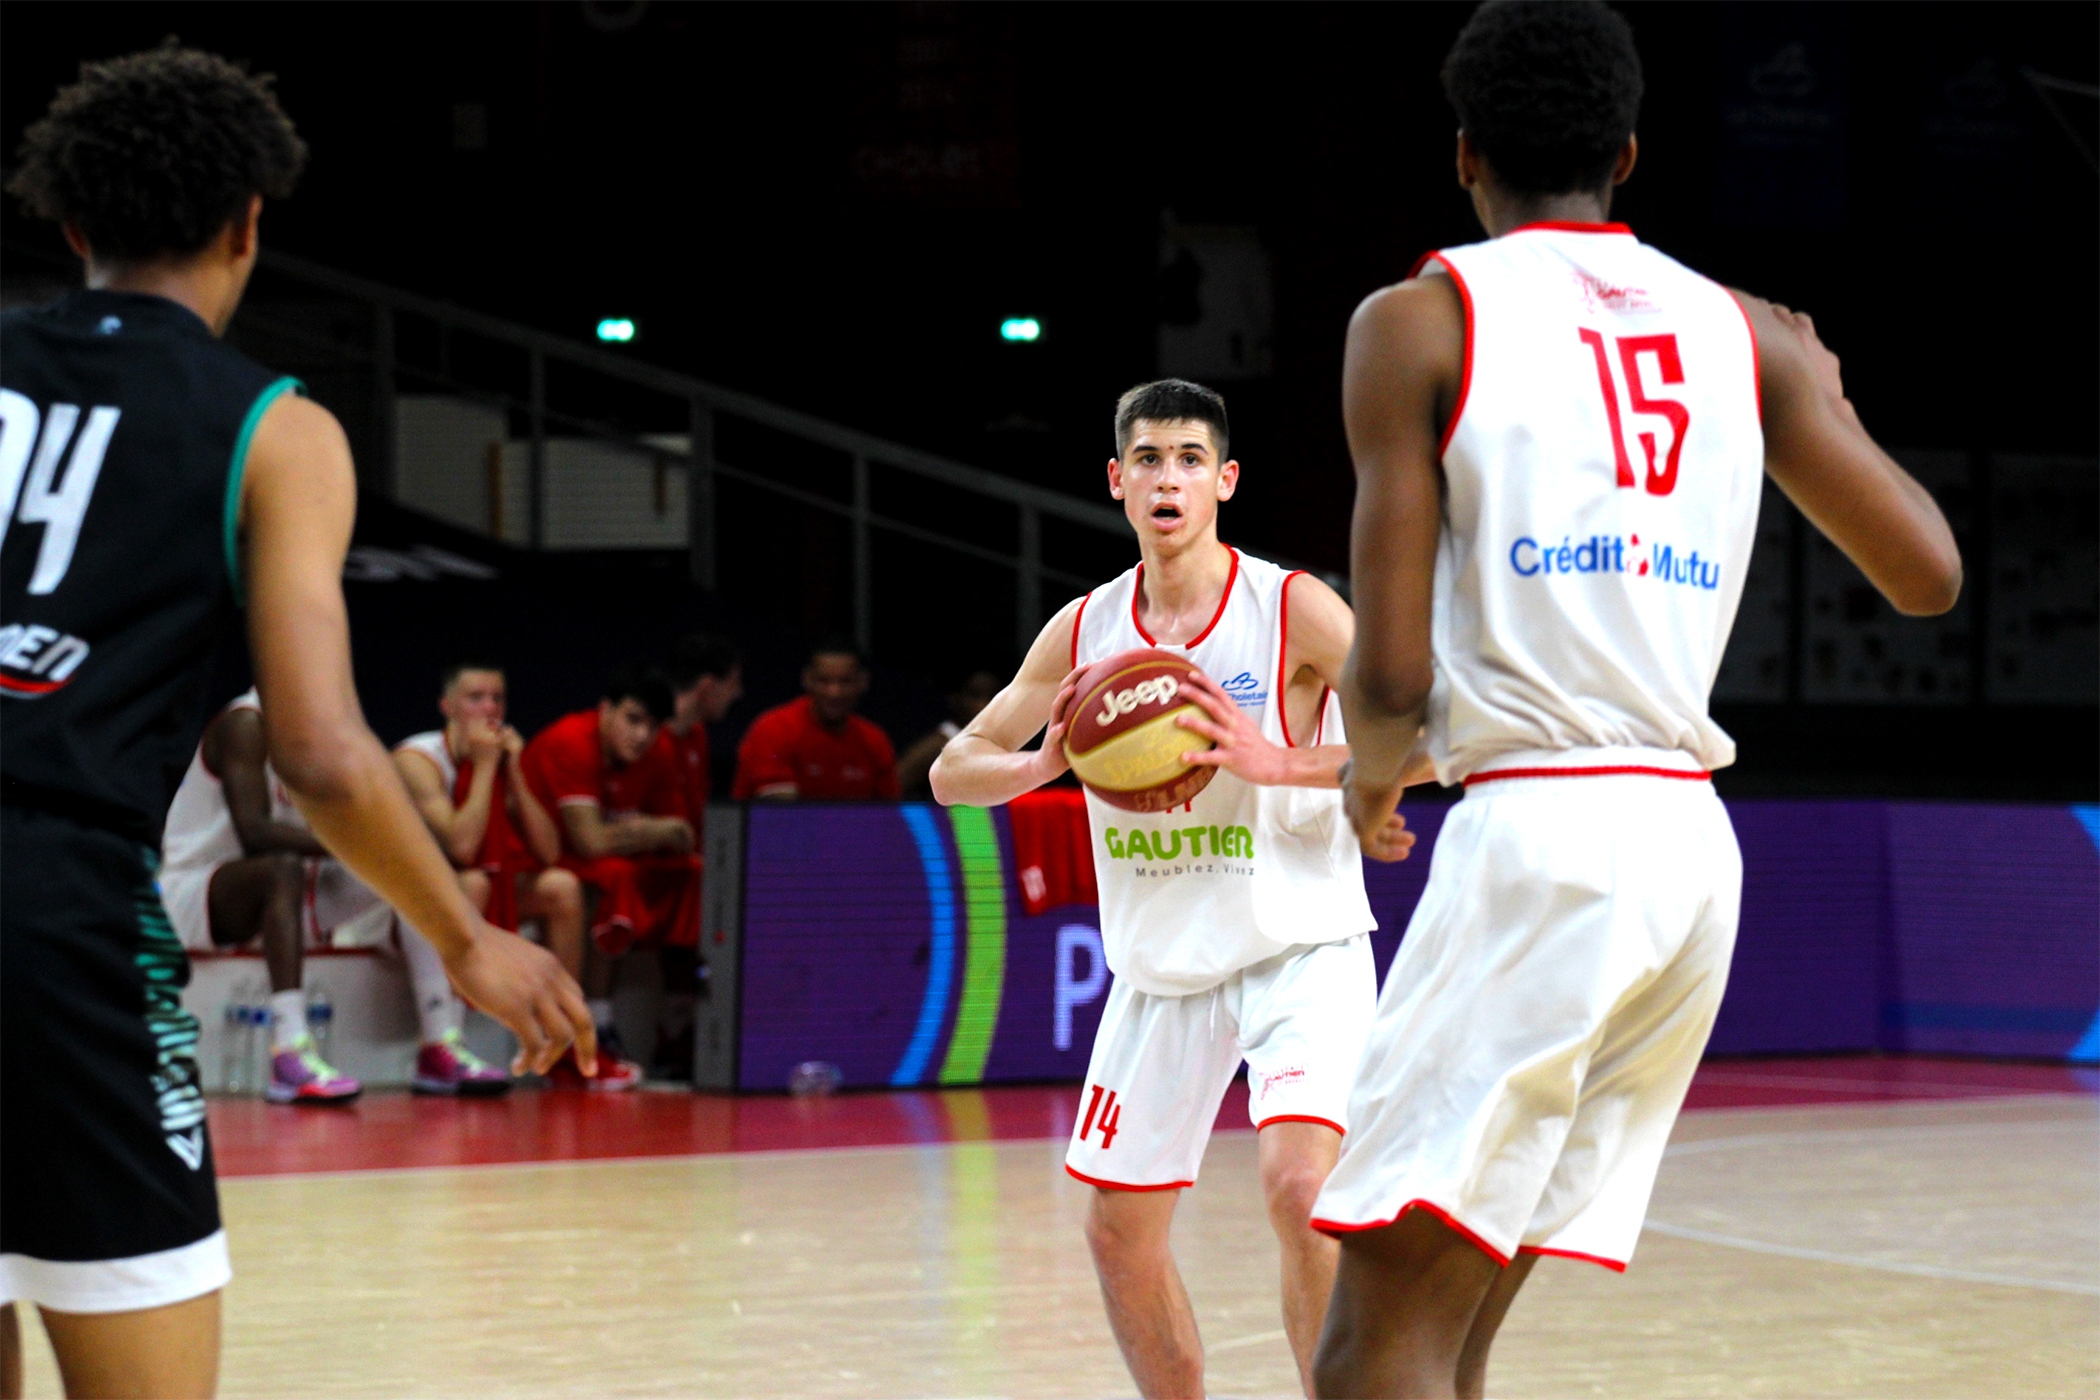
(1240, 873)
(1602, 472)
(124, 430)
(431, 744)
(200, 833)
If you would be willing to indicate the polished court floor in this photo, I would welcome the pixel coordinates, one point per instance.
(1849, 1227)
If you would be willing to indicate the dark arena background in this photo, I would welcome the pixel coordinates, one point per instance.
(788, 322)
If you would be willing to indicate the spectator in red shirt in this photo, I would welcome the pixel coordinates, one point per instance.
(816, 748)
(611, 777)
(707, 677)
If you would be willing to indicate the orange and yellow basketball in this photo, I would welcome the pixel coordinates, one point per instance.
(1123, 739)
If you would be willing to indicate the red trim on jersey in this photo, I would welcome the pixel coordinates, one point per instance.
(1137, 591)
(1301, 1118)
(1696, 775)
(1572, 226)
(1757, 379)
(1283, 651)
(15, 687)
(1617, 1266)
(1425, 260)
(1450, 1221)
(1465, 373)
(1124, 1186)
(1078, 618)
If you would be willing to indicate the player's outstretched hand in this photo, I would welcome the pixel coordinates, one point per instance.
(1240, 747)
(521, 985)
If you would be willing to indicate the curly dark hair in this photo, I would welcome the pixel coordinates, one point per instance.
(156, 152)
(1547, 90)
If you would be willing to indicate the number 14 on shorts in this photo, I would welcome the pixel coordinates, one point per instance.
(1104, 1113)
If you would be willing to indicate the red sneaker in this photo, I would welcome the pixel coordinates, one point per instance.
(614, 1074)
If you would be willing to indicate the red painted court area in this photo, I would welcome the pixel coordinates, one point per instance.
(396, 1131)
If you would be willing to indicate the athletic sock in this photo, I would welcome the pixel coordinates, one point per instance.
(601, 1011)
(287, 1018)
(438, 1007)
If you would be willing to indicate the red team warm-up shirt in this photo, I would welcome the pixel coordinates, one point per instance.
(564, 763)
(790, 745)
(695, 775)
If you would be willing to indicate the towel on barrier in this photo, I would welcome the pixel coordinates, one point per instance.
(1053, 849)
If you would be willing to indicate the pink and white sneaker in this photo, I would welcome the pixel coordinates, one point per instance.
(448, 1067)
(300, 1075)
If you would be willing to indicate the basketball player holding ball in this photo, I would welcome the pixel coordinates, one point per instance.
(1235, 919)
(1561, 436)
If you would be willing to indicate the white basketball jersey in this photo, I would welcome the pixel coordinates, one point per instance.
(431, 744)
(1239, 874)
(1602, 470)
(199, 834)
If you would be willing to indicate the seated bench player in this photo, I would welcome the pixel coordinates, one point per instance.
(816, 748)
(610, 776)
(504, 843)
(239, 867)
(707, 678)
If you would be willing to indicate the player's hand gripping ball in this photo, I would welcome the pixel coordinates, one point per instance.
(1123, 737)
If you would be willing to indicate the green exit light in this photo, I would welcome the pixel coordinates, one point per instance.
(616, 330)
(1020, 329)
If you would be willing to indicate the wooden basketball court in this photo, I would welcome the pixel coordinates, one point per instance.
(1850, 1227)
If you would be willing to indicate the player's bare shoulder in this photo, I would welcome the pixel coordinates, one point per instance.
(1406, 341)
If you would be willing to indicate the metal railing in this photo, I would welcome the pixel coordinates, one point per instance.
(703, 404)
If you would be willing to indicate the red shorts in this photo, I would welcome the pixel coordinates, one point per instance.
(643, 899)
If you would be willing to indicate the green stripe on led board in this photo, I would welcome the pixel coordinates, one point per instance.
(984, 959)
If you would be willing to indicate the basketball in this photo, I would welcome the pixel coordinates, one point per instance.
(1123, 738)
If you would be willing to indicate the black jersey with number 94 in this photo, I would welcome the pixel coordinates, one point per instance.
(124, 428)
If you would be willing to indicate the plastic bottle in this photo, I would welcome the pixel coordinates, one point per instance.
(233, 1042)
(320, 1019)
(814, 1079)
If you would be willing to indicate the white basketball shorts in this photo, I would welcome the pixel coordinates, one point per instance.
(334, 900)
(1161, 1065)
(1543, 1018)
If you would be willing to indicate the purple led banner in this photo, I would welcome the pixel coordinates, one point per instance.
(892, 942)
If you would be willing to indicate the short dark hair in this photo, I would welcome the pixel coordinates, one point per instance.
(836, 645)
(157, 152)
(647, 688)
(458, 668)
(1547, 90)
(1172, 401)
(700, 654)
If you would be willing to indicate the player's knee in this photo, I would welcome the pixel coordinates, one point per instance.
(287, 873)
(560, 891)
(1290, 1188)
(1115, 1230)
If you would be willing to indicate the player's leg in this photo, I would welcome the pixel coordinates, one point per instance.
(1159, 1069)
(1148, 1305)
(1303, 1019)
(263, 897)
(444, 1064)
(555, 897)
(10, 1354)
(1295, 1160)
(1405, 1297)
(1473, 1356)
(167, 1353)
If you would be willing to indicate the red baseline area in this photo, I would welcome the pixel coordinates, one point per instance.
(397, 1131)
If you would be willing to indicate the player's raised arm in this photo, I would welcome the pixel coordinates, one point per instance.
(298, 500)
(1400, 377)
(1851, 490)
(986, 764)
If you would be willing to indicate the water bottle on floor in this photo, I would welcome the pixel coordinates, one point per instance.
(814, 1079)
(320, 1019)
(233, 1042)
